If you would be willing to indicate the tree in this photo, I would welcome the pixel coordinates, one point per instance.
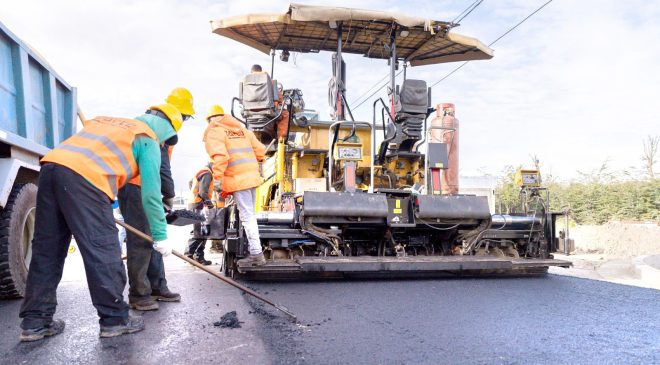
(649, 156)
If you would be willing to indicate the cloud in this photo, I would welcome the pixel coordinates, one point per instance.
(575, 84)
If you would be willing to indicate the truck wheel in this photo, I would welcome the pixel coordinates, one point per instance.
(16, 233)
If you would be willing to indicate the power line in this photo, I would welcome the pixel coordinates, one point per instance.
(462, 16)
(495, 41)
(372, 86)
(377, 90)
(468, 10)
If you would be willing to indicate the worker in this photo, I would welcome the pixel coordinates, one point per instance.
(202, 197)
(146, 270)
(282, 122)
(78, 182)
(236, 154)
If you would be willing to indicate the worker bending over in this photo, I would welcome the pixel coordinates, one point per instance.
(78, 182)
(202, 196)
(146, 270)
(236, 154)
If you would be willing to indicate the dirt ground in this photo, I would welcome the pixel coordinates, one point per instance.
(617, 239)
(623, 253)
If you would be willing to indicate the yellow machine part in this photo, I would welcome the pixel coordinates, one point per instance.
(306, 161)
(529, 177)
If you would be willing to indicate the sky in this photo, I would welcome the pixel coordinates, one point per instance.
(575, 85)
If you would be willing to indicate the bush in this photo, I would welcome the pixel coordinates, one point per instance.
(595, 199)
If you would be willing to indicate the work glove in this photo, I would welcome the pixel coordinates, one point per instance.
(168, 204)
(163, 248)
(208, 204)
(217, 186)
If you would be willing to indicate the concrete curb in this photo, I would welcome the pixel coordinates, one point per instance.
(646, 268)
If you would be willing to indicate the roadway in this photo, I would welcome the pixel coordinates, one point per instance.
(541, 320)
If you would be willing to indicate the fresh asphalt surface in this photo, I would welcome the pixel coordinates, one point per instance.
(542, 320)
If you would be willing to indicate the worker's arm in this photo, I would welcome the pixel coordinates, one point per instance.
(166, 180)
(217, 151)
(205, 182)
(147, 155)
(258, 147)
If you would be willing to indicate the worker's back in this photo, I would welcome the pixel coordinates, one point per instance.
(238, 150)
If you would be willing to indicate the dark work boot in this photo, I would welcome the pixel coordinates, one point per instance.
(253, 260)
(35, 334)
(216, 246)
(148, 304)
(202, 260)
(165, 296)
(134, 324)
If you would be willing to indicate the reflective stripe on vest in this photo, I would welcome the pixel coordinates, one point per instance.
(239, 150)
(241, 161)
(102, 152)
(112, 178)
(111, 146)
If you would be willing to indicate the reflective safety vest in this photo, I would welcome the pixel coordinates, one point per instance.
(236, 153)
(195, 187)
(102, 152)
(137, 180)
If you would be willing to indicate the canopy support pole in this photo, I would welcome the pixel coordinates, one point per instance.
(393, 71)
(272, 64)
(338, 75)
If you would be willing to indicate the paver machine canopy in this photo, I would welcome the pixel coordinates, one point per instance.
(331, 202)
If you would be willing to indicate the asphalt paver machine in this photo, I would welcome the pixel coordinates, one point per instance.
(347, 198)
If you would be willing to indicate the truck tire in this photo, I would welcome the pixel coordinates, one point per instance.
(16, 233)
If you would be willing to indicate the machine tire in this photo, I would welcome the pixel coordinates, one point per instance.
(16, 221)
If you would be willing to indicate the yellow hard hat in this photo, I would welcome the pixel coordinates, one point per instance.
(182, 99)
(172, 114)
(215, 110)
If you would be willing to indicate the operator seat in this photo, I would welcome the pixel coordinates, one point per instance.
(413, 105)
(257, 96)
(411, 109)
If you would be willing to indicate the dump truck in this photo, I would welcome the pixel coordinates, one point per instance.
(37, 112)
(349, 198)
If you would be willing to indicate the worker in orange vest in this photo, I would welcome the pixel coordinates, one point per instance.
(78, 182)
(202, 196)
(146, 270)
(236, 154)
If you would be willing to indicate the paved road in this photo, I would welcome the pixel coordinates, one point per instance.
(547, 320)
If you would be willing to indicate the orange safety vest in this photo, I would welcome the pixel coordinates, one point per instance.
(137, 180)
(101, 152)
(195, 189)
(227, 141)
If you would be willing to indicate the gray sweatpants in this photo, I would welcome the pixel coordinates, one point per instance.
(245, 201)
